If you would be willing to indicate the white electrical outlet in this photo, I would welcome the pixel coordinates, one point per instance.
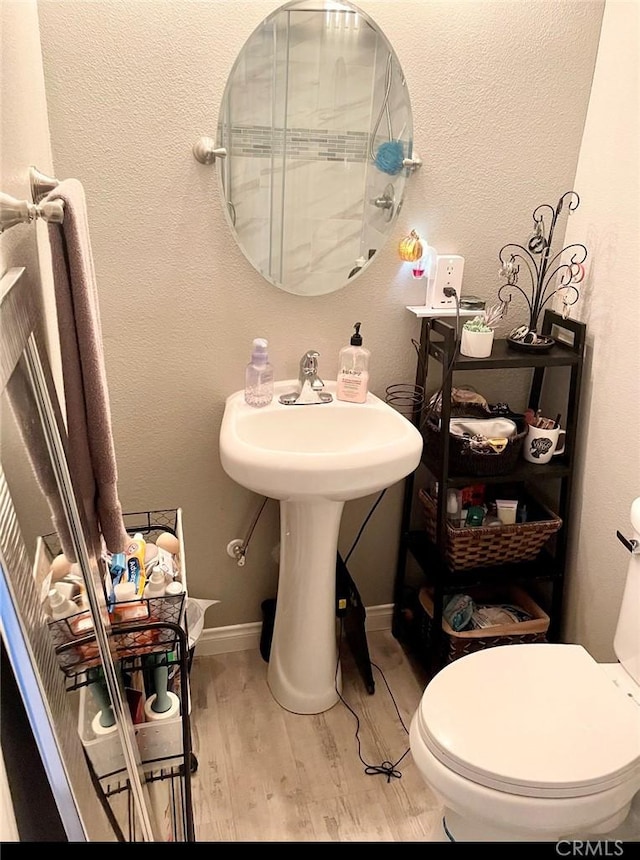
(447, 272)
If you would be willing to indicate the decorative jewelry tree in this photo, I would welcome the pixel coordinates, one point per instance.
(549, 274)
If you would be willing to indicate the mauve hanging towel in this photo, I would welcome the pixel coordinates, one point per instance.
(91, 451)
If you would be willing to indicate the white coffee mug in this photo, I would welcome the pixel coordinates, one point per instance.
(541, 445)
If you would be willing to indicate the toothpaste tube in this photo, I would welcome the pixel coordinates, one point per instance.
(135, 571)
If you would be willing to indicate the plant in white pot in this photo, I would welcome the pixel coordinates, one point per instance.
(478, 333)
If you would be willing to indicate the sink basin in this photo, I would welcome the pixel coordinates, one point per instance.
(335, 450)
(312, 458)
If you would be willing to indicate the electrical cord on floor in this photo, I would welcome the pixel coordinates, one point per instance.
(387, 768)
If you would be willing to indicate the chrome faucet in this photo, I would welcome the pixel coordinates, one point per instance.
(310, 386)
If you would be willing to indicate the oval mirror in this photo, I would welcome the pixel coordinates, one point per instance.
(317, 127)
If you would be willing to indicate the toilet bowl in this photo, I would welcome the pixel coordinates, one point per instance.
(536, 742)
(529, 742)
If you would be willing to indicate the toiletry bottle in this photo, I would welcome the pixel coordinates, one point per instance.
(174, 588)
(61, 606)
(353, 370)
(453, 507)
(156, 583)
(125, 591)
(128, 607)
(258, 384)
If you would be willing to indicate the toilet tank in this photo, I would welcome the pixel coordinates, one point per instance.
(626, 643)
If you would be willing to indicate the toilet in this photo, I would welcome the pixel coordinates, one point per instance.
(536, 742)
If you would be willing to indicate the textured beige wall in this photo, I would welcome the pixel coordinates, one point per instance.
(24, 140)
(608, 472)
(499, 94)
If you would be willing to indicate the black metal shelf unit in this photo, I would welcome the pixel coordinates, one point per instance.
(438, 342)
(174, 768)
(166, 751)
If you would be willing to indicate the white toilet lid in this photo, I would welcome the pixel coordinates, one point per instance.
(539, 720)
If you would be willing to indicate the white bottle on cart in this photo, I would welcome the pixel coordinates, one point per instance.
(156, 583)
(61, 606)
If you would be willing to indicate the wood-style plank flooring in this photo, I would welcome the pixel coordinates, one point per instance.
(267, 775)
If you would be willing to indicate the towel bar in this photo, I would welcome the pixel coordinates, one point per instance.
(14, 211)
(41, 184)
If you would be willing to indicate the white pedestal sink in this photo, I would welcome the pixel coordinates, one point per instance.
(312, 458)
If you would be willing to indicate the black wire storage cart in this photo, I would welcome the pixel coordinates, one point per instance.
(522, 556)
(159, 639)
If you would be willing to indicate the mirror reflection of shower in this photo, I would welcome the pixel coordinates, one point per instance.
(316, 121)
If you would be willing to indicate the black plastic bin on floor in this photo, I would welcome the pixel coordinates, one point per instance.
(349, 607)
(268, 617)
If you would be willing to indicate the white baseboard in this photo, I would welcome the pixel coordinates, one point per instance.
(245, 637)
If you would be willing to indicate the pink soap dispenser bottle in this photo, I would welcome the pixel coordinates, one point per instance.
(353, 370)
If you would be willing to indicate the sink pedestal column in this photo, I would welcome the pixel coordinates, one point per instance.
(303, 659)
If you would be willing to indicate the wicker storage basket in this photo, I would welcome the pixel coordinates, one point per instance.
(457, 644)
(483, 546)
(464, 460)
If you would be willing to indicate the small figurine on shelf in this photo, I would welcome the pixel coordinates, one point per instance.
(549, 274)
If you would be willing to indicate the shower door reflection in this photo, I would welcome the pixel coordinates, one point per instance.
(34, 502)
(41, 729)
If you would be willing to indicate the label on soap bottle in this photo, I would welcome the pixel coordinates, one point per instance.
(353, 376)
(352, 386)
